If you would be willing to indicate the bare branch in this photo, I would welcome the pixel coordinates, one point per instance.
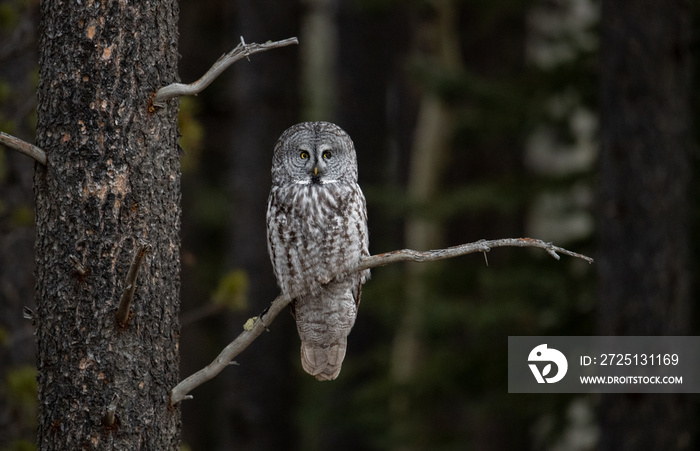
(28, 313)
(79, 268)
(242, 50)
(23, 147)
(406, 255)
(199, 313)
(109, 417)
(249, 334)
(256, 325)
(130, 287)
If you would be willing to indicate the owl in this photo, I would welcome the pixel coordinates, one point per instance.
(316, 229)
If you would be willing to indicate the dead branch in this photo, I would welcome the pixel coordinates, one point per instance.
(242, 50)
(127, 296)
(23, 147)
(255, 326)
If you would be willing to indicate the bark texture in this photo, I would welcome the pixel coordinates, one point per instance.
(112, 182)
(644, 203)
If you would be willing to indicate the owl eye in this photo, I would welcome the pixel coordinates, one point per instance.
(304, 155)
(326, 155)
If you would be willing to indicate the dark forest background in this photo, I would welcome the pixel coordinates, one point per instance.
(564, 120)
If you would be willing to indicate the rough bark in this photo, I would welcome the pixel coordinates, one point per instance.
(644, 203)
(112, 182)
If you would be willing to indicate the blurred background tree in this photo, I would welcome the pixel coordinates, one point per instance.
(644, 204)
(471, 120)
(18, 85)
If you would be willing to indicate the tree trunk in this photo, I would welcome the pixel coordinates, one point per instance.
(319, 73)
(431, 147)
(259, 395)
(644, 203)
(112, 182)
(18, 47)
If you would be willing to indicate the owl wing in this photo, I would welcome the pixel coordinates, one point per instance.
(363, 236)
(357, 293)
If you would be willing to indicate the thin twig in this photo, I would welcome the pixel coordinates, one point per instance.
(23, 147)
(255, 326)
(28, 313)
(130, 287)
(199, 313)
(242, 50)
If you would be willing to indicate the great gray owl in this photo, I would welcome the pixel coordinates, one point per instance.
(316, 228)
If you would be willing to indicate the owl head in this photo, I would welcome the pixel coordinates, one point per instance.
(314, 153)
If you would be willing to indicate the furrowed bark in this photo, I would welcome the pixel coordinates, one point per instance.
(112, 182)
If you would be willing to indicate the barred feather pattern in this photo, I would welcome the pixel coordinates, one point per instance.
(317, 227)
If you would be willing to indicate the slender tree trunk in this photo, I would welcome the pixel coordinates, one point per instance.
(112, 182)
(18, 47)
(319, 73)
(431, 147)
(644, 203)
(259, 395)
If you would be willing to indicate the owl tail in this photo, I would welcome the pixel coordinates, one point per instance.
(323, 362)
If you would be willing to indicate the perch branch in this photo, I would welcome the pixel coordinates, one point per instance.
(409, 255)
(255, 326)
(23, 147)
(242, 50)
(130, 287)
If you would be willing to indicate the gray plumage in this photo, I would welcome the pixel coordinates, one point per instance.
(316, 228)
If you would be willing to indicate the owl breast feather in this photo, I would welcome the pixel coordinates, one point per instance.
(315, 231)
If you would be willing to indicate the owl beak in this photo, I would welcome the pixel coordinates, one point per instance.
(315, 179)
